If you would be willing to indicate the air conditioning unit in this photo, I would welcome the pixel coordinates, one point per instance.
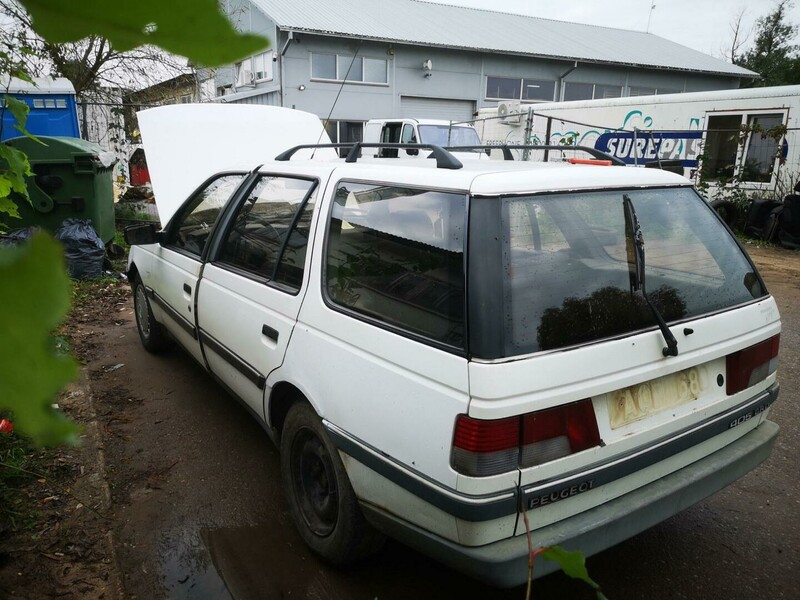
(510, 113)
(245, 77)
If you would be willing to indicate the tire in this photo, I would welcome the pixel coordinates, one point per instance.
(153, 337)
(321, 500)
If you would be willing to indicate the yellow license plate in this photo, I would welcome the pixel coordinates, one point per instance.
(650, 397)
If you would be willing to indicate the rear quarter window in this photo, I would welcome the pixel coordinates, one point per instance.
(396, 255)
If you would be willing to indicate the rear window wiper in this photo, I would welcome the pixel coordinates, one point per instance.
(634, 246)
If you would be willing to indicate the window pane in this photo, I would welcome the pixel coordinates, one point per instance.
(261, 228)
(722, 142)
(563, 275)
(763, 149)
(664, 91)
(262, 66)
(538, 89)
(323, 66)
(408, 136)
(578, 91)
(607, 91)
(350, 131)
(502, 87)
(196, 223)
(397, 255)
(356, 71)
(375, 70)
(332, 128)
(442, 135)
(641, 91)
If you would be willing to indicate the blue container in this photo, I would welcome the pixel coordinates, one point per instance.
(52, 105)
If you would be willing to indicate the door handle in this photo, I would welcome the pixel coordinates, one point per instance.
(269, 332)
(187, 288)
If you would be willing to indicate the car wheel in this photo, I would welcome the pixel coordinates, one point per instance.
(321, 500)
(152, 335)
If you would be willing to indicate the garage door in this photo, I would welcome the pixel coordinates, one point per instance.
(436, 108)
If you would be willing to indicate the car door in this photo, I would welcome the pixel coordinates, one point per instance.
(250, 292)
(172, 276)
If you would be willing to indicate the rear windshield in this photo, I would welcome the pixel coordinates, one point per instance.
(564, 276)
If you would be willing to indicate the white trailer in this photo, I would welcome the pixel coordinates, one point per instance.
(748, 135)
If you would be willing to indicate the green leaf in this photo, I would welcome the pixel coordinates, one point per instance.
(20, 111)
(196, 29)
(14, 166)
(35, 298)
(18, 108)
(572, 563)
(7, 205)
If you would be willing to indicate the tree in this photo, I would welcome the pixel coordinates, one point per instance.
(34, 294)
(773, 55)
(92, 64)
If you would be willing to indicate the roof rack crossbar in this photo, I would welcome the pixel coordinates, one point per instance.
(507, 148)
(444, 160)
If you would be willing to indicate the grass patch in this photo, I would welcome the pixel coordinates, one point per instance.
(20, 467)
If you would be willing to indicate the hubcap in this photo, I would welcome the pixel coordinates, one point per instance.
(142, 316)
(315, 483)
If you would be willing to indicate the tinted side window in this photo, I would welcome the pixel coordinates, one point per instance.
(397, 255)
(262, 238)
(195, 224)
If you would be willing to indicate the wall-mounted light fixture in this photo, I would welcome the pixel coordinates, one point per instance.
(427, 67)
(301, 87)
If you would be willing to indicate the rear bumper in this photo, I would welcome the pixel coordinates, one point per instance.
(505, 563)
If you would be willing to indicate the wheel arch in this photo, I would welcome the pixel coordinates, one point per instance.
(284, 394)
(132, 273)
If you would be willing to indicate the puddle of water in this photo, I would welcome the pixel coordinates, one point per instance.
(189, 573)
(271, 562)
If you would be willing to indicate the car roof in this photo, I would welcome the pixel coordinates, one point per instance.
(480, 177)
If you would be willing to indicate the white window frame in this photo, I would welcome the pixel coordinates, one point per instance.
(594, 90)
(742, 149)
(340, 76)
(248, 65)
(521, 89)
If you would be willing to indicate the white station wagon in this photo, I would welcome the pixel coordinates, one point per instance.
(437, 347)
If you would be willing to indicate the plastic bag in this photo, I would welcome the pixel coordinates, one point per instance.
(17, 236)
(83, 248)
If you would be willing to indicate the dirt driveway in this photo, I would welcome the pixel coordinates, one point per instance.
(197, 509)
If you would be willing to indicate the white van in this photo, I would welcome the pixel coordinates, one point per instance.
(417, 131)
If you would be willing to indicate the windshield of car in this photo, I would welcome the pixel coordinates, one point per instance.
(443, 135)
(551, 271)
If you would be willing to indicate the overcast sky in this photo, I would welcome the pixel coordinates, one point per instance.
(704, 25)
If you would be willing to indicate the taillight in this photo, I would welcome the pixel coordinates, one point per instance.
(747, 367)
(482, 448)
(560, 431)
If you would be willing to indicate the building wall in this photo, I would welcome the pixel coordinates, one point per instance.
(456, 74)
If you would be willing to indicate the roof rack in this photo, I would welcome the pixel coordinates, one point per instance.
(444, 160)
(507, 148)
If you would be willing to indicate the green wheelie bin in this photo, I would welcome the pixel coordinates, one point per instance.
(72, 178)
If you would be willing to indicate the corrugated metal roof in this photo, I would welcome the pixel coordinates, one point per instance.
(427, 23)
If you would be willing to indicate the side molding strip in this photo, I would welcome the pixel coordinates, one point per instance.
(469, 508)
(235, 361)
(174, 314)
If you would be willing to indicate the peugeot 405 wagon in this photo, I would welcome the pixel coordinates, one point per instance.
(438, 347)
